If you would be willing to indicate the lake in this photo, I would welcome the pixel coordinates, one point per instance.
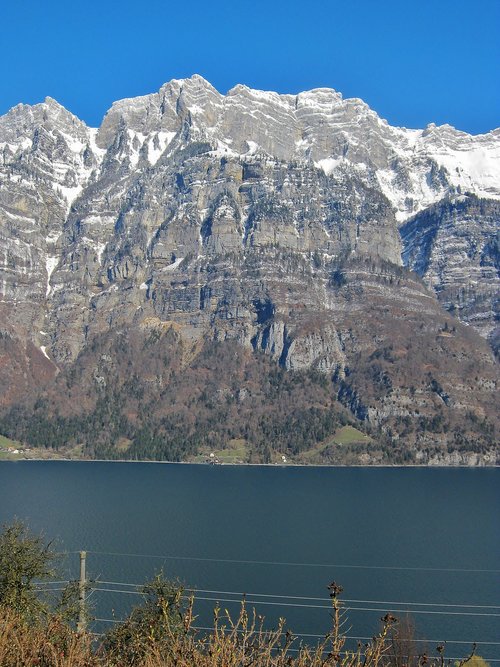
(406, 540)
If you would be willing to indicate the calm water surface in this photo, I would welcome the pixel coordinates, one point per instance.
(390, 536)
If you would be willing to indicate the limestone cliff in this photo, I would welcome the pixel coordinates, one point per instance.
(269, 220)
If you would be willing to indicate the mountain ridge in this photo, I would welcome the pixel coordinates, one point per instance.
(266, 220)
(424, 144)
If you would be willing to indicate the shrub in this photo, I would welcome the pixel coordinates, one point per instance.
(24, 561)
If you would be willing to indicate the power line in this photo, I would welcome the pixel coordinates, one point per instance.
(120, 583)
(117, 590)
(288, 564)
(317, 606)
(323, 599)
(312, 606)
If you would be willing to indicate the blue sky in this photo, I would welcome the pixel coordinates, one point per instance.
(414, 62)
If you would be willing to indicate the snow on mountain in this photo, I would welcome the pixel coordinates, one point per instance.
(276, 221)
(74, 198)
(413, 168)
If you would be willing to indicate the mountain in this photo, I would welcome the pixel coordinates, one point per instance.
(454, 246)
(300, 226)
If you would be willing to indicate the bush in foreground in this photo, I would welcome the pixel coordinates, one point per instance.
(161, 632)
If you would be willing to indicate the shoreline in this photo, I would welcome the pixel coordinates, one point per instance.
(256, 465)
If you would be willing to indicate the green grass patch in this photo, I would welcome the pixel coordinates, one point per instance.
(7, 442)
(235, 452)
(348, 435)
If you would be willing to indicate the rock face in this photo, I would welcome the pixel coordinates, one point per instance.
(455, 247)
(267, 219)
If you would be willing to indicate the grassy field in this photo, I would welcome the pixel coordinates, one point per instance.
(75, 452)
(4, 444)
(235, 452)
(348, 435)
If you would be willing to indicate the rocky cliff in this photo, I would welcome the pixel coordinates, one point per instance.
(268, 220)
(454, 246)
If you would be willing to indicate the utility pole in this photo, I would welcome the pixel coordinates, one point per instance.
(82, 587)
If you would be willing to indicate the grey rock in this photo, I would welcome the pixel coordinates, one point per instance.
(454, 247)
(268, 219)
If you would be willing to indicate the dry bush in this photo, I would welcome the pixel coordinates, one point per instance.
(163, 633)
(42, 644)
(245, 642)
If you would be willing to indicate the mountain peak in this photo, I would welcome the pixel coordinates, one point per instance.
(193, 81)
(53, 103)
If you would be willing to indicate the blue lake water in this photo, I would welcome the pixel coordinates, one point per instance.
(390, 536)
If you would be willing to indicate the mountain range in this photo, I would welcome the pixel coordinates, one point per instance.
(205, 269)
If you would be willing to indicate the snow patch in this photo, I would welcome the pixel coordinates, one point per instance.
(322, 99)
(69, 194)
(476, 169)
(252, 147)
(73, 143)
(174, 265)
(223, 150)
(98, 152)
(99, 248)
(301, 144)
(50, 264)
(158, 144)
(24, 144)
(329, 164)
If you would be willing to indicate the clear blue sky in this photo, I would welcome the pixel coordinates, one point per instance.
(413, 61)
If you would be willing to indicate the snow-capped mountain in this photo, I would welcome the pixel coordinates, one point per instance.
(265, 218)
